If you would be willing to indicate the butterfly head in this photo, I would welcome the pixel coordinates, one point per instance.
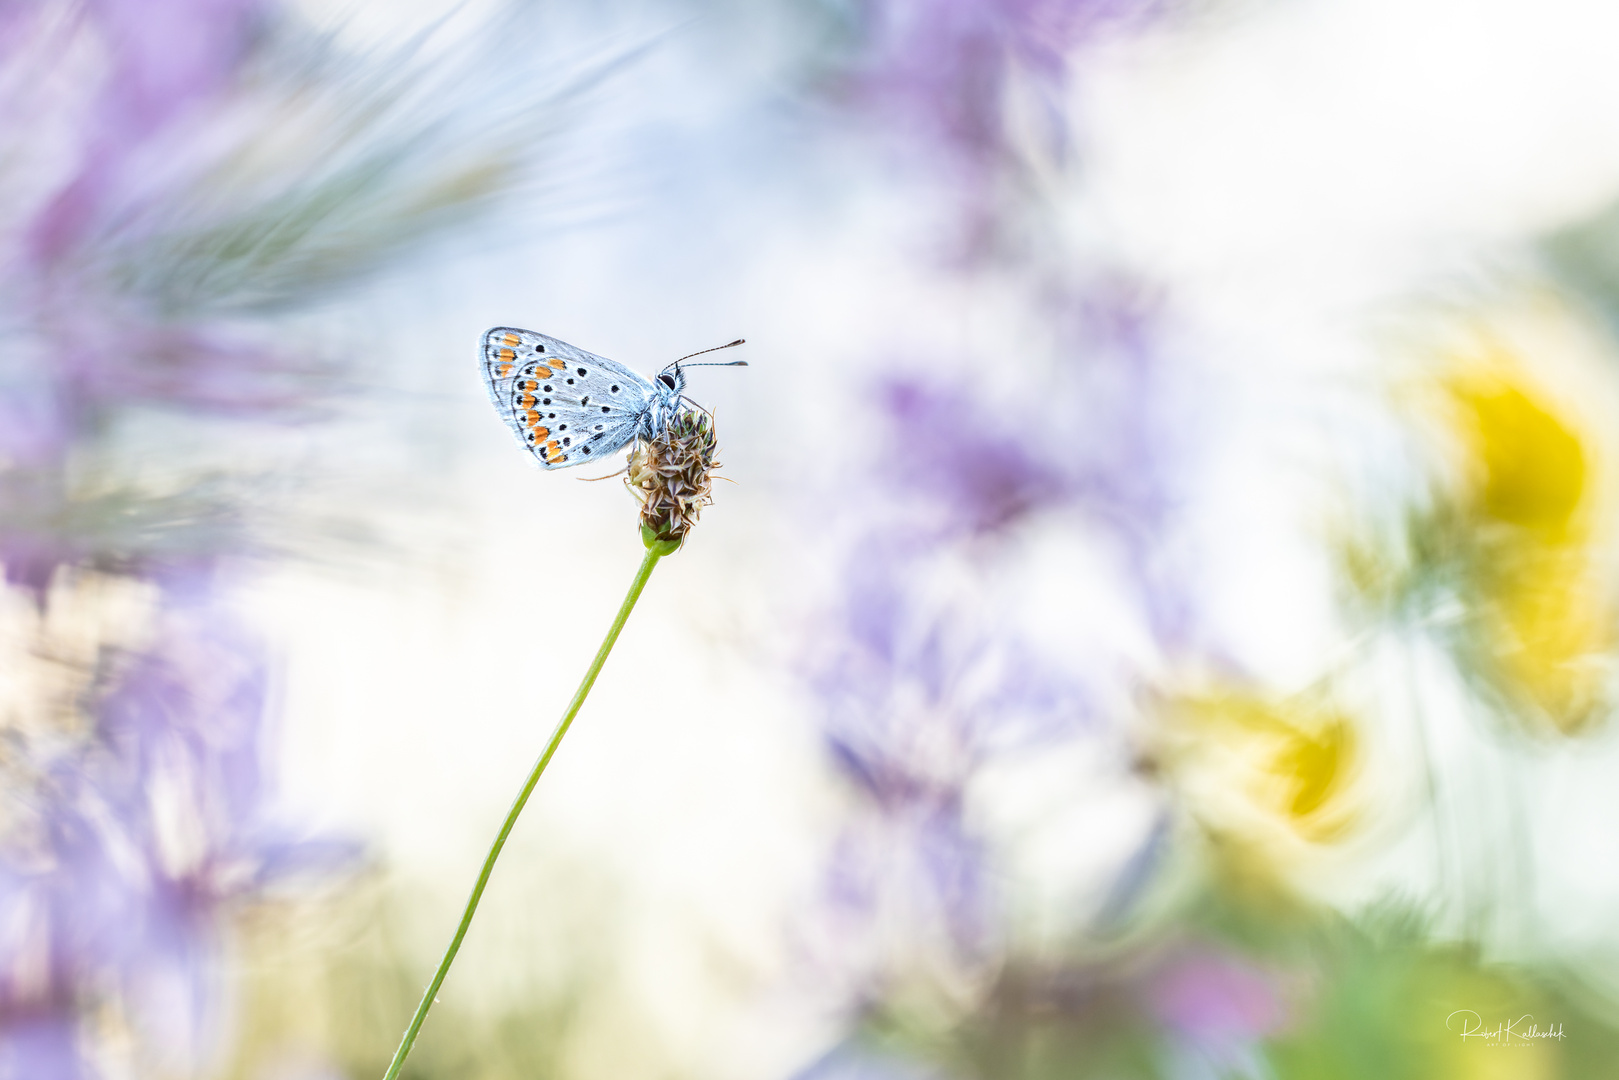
(671, 381)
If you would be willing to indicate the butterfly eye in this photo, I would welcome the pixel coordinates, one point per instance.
(667, 380)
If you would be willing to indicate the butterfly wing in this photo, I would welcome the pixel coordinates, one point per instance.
(566, 405)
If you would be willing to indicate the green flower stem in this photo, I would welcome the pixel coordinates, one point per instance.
(655, 551)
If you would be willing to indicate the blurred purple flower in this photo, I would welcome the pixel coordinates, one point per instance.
(1089, 437)
(146, 833)
(977, 480)
(42, 1046)
(1211, 996)
(917, 693)
(920, 685)
(942, 75)
(942, 67)
(1104, 439)
(915, 698)
(900, 877)
(151, 200)
(1218, 1006)
(78, 352)
(161, 59)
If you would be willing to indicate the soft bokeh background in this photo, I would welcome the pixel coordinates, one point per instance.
(1162, 625)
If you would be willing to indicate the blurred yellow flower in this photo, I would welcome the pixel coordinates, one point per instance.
(1536, 585)
(1268, 778)
(1507, 561)
(1530, 467)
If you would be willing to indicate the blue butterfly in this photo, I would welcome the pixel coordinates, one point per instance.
(569, 406)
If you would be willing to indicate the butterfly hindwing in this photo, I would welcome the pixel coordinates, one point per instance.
(568, 406)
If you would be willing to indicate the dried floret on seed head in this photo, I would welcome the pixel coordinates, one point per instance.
(671, 476)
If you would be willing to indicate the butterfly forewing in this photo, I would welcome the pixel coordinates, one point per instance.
(566, 405)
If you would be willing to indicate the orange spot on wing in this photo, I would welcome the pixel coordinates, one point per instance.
(541, 433)
(533, 418)
(507, 355)
(558, 363)
(528, 401)
(503, 370)
(511, 339)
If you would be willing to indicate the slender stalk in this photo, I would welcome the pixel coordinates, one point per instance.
(1449, 881)
(654, 553)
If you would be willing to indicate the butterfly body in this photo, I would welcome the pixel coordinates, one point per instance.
(569, 406)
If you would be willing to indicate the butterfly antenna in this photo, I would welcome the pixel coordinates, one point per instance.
(717, 348)
(609, 476)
